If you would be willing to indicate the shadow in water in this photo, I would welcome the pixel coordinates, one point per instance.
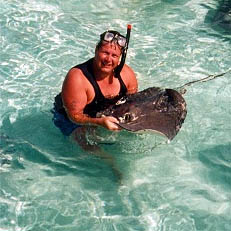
(47, 164)
(220, 18)
(218, 161)
(33, 140)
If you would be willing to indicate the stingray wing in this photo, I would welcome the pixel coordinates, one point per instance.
(159, 110)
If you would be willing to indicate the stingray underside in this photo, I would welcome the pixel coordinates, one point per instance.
(159, 110)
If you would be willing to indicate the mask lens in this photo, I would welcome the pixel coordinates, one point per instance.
(109, 37)
(121, 41)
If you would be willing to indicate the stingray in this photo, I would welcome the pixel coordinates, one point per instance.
(154, 109)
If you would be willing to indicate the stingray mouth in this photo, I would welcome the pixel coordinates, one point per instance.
(127, 117)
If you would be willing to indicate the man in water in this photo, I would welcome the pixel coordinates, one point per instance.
(93, 85)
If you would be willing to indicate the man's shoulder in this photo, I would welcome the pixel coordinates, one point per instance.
(127, 68)
(74, 72)
(127, 71)
(80, 69)
(76, 76)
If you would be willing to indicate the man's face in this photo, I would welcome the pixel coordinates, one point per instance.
(107, 57)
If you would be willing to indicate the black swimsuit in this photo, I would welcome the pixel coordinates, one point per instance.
(98, 103)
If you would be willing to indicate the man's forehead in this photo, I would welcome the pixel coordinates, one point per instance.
(113, 45)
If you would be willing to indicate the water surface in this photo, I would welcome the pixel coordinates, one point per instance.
(49, 184)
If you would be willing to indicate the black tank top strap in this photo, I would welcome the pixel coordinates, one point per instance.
(87, 69)
(123, 88)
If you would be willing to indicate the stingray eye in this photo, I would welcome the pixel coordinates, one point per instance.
(127, 117)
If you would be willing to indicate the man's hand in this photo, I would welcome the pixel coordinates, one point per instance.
(110, 123)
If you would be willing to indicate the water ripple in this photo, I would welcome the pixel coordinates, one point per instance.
(49, 183)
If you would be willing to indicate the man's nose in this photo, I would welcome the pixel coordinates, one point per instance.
(108, 58)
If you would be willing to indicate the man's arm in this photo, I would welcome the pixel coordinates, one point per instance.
(77, 92)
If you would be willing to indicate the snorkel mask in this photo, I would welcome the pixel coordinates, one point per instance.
(110, 36)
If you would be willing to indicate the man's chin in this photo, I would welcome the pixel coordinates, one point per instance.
(107, 69)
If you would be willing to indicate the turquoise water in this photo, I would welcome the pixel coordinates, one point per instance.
(47, 183)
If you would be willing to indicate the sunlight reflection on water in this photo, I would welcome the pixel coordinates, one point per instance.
(49, 183)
